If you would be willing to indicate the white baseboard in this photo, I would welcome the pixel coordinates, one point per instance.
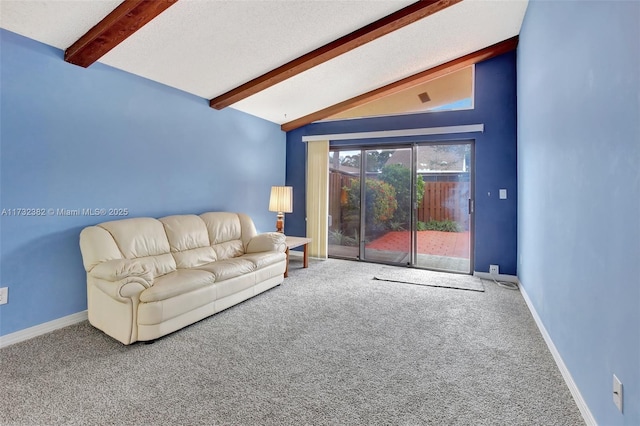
(577, 396)
(499, 277)
(37, 330)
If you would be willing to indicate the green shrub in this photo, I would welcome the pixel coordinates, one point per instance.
(396, 226)
(399, 177)
(336, 237)
(439, 225)
(380, 206)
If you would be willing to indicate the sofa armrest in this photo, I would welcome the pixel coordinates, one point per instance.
(121, 278)
(123, 290)
(119, 269)
(269, 241)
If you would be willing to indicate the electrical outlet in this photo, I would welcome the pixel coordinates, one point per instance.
(4, 295)
(494, 269)
(617, 392)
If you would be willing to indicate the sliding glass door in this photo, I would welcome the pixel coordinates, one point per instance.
(412, 209)
(386, 216)
(344, 212)
(443, 231)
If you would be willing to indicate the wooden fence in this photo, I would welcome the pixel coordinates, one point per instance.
(445, 201)
(441, 201)
(337, 181)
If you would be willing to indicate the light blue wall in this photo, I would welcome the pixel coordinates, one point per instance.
(579, 190)
(78, 138)
(495, 149)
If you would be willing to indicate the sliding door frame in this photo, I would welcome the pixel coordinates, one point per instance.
(470, 203)
(363, 210)
(413, 146)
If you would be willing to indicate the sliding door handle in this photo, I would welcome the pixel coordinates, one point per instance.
(471, 206)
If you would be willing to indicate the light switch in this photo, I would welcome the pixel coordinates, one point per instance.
(503, 194)
(617, 392)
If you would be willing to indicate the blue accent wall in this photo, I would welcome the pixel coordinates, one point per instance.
(75, 138)
(495, 107)
(579, 191)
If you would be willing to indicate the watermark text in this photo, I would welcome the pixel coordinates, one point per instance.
(62, 212)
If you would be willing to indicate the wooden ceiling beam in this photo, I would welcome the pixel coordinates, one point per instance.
(117, 26)
(379, 28)
(419, 78)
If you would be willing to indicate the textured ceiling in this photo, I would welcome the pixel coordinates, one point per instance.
(56, 23)
(207, 47)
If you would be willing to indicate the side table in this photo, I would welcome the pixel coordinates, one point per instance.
(293, 242)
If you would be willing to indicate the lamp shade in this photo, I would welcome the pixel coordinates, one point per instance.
(281, 199)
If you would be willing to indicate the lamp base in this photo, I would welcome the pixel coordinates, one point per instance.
(280, 223)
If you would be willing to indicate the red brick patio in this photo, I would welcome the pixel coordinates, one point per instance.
(450, 244)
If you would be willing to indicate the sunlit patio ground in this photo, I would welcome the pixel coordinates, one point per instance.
(448, 251)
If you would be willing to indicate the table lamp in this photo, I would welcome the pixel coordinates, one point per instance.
(281, 201)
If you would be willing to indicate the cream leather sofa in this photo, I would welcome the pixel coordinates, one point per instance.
(149, 277)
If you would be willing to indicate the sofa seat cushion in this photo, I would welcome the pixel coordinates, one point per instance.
(176, 283)
(261, 260)
(229, 268)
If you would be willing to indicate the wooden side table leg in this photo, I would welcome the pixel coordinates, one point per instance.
(305, 256)
(286, 269)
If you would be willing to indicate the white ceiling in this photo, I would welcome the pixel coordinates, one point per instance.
(208, 47)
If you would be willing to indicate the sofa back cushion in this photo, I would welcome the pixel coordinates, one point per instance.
(143, 239)
(225, 234)
(189, 240)
(157, 247)
(97, 246)
(138, 237)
